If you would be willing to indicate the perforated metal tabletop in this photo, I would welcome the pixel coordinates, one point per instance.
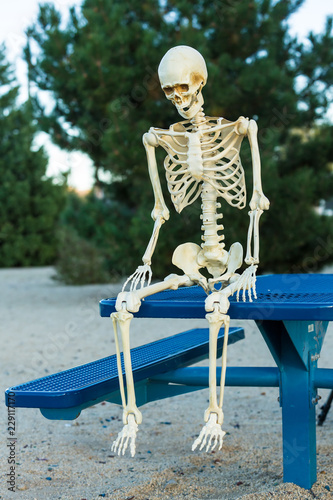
(283, 296)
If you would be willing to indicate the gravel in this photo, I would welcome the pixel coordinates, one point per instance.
(48, 327)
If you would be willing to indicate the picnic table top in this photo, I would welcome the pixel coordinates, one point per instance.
(307, 297)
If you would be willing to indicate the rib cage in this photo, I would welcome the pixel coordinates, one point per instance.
(220, 162)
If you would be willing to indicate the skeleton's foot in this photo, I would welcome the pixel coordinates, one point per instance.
(213, 431)
(126, 437)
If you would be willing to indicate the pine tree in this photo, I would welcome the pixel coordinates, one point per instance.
(29, 203)
(101, 71)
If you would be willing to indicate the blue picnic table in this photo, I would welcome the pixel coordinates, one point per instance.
(292, 313)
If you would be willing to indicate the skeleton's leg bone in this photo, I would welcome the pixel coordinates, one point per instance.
(212, 430)
(215, 320)
(172, 283)
(122, 319)
(132, 300)
(120, 372)
(224, 359)
(127, 436)
(253, 231)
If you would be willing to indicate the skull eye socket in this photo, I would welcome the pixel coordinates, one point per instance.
(168, 90)
(183, 87)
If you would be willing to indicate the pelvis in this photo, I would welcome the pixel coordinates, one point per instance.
(190, 258)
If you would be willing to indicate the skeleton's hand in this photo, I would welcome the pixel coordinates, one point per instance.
(139, 276)
(259, 200)
(131, 300)
(246, 281)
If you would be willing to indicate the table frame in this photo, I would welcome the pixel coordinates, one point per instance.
(294, 330)
(296, 355)
(297, 377)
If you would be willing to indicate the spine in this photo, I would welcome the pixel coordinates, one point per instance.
(211, 245)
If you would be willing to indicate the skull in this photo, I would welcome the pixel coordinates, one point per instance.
(183, 73)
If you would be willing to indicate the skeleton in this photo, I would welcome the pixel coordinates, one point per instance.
(203, 160)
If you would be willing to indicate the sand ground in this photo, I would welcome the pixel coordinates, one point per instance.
(46, 327)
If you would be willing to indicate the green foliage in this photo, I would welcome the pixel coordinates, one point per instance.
(100, 222)
(30, 203)
(101, 70)
(79, 261)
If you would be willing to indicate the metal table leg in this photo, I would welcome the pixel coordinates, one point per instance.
(295, 346)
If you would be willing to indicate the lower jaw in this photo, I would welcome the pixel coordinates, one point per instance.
(190, 112)
(187, 114)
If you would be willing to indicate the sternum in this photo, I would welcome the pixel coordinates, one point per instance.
(194, 156)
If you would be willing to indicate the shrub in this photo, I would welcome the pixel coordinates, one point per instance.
(79, 261)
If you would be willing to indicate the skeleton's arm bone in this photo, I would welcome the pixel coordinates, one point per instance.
(146, 259)
(173, 133)
(253, 231)
(258, 200)
(252, 133)
(160, 214)
(150, 142)
(144, 272)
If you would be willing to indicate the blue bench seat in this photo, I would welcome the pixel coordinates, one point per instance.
(63, 395)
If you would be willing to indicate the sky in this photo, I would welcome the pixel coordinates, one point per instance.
(17, 15)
